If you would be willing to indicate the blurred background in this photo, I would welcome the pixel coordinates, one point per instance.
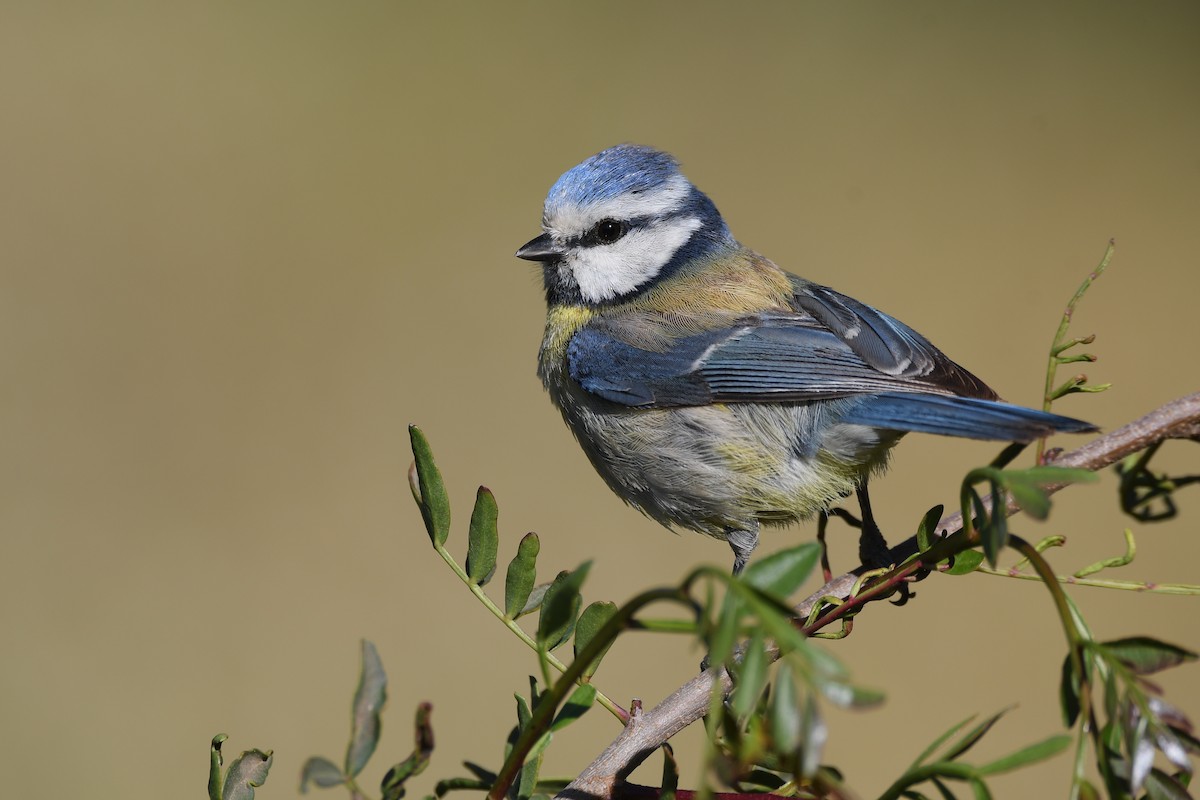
(244, 245)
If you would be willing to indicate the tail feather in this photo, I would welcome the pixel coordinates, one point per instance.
(966, 417)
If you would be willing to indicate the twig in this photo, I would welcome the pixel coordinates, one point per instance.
(648, 730)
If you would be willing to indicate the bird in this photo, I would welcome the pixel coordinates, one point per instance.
(714, 391)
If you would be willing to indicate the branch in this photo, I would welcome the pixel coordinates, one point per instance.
(648, 730)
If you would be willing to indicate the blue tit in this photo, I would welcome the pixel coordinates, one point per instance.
(714, 391)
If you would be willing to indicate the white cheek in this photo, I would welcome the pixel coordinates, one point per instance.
(609, 271)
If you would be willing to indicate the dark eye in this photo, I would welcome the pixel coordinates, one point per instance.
(607, 231)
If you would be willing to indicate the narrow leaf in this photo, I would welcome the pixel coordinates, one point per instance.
(522, 574)
(1161, 786)
(776, 621)
(590, 622)
(994, 534)
(536, 597)
(1031, 497)
(368, 702)
(965, 562)
(247, 772)
(781, 573)
(972, 736)
(576, 706)
(670, 774)
(722, 637)
(322, 772)
(1047, 748)
(1068, 693)
(1145, 655)
(1048, 474)
(814, 733)
(560, 607)
(938, 742)
(435, 505)
(392, 785)
(749, 677)
(484, 774)
(482, 538)
(524, 712)
(927, 528)
(845, 695)
(785, 712)
(214, 766)
(527, 781)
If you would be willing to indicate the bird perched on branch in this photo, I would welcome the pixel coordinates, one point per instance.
(711, 389)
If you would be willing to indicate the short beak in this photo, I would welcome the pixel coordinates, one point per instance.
(540, 249)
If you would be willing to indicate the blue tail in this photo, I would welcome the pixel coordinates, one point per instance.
(967, 417)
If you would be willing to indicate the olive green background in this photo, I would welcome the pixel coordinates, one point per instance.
(243, 245)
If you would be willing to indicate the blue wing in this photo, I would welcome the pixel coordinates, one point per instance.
(829, 346)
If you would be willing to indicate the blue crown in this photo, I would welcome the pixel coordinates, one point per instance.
(612, 173)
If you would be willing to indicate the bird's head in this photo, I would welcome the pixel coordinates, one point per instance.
(618, 224)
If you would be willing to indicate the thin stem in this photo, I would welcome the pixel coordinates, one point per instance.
(1071, 580)
(554, 695)
(1057, 347)
(512, 625)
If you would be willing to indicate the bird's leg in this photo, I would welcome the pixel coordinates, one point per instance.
(742, 542)
(822, 523)
(873, 550)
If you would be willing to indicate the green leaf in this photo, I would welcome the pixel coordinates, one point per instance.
(392, 785)
(1160, 786)
(590, 622)
(965, 562)
(524, 712)
(247, 772)
(368, 702)
(972, 736)
(576, 706)
(560, 607)
(1068, 693)
(483, 774)
(322, 772)
(1145, 655)
(776, 620)
(785, 712)
(993, 535)
(528, 777)
(927, 528)
(781, 573)
(814, 733)
(722, 637)
(845, 695)
(1087, 791)
(522, 574)
(1047, 748)
(938, 742)
(482, 538)
(214, 766)
(429, 489)
(749, 677)
(536, 597)
(1032, 498)
(670, 774)
(1048, 475)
